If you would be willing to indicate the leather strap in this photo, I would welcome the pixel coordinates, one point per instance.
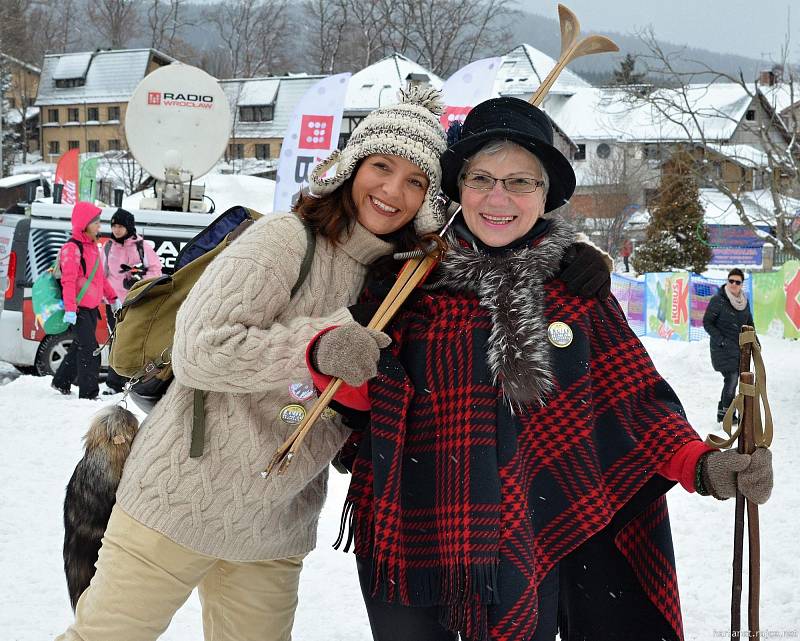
(198, 412)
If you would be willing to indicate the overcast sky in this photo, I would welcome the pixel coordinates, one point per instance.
(753, 28)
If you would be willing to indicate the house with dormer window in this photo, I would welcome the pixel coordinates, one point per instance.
(83, 96)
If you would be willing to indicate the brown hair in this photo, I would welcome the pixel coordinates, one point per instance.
(736, 272)
(334, 214)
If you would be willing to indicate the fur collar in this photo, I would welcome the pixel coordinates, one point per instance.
(511, 286)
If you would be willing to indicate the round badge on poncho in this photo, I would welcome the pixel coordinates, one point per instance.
(559, 334)
(293, 414)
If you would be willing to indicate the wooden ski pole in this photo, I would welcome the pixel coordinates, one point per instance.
(738, 525)
(416, 269)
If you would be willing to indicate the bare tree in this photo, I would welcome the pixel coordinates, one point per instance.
(57, 28)
(116, 20)
(327, 22)
(166, 21)
(253, 33)
(444, 35)
(618, 182)
(773, 130)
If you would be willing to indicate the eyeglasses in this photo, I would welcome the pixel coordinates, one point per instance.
(516, 185)
(733, 281)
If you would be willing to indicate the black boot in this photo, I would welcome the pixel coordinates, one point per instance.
(721, 412)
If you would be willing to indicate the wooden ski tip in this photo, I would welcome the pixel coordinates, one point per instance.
(570, 27)
(594, 44)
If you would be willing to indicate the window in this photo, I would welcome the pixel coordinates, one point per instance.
(581, 153)
(70, 82)
(52, 116)
(236, 150)
(261, 113)
(262, 152)
(113, 113)
(93, 146)
(652, 152)
(603, 150)
(93, 113)
(113, 144)
(750, 115)
(72, 115)
(53, 147)
(73, 144)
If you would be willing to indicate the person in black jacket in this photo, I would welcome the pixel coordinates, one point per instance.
(727, 311)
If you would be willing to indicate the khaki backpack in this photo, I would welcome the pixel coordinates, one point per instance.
(143, 335)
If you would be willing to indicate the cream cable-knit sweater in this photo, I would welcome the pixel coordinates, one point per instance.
(238, 336)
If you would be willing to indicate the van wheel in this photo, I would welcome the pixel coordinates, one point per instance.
(52, 350)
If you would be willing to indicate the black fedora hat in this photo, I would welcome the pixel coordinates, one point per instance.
(520, 122)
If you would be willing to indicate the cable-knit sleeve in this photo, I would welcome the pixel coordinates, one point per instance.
(226, 335)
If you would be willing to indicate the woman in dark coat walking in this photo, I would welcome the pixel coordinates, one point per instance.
(727, 311)
(510, 485)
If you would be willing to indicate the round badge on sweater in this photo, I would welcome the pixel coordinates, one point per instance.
(293, 414)
(301, 391)
(559, 334)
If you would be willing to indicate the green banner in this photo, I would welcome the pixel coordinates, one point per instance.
(87, 188)
(791, 288)
(769, 301)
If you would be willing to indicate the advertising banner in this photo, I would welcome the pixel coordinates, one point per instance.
(734, 245)
(791, 288)
(88, 180)
(312, 135)
(667, 305)
(67, 175)
(467, 87)
(769, 301)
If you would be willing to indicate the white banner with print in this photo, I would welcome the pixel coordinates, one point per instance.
(467, 87)
(312, 135)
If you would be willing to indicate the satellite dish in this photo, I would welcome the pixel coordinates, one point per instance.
(177, 123)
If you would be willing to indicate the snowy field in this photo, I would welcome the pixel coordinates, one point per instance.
(40, 442)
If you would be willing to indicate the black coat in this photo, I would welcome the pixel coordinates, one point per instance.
(723, 323)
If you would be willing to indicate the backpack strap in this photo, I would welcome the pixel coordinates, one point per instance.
(80, 249)
(198, 406)
(140, 249)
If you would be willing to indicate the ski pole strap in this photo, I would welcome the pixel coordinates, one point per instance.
(198, 425)
(762, 431)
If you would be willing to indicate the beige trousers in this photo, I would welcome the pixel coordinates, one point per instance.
(143, 578)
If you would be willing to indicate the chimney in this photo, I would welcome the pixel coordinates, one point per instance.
(765, 78)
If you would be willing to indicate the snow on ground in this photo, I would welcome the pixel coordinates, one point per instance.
(40, 434)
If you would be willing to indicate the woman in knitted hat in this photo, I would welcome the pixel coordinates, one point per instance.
(510, 481)
(212, 522)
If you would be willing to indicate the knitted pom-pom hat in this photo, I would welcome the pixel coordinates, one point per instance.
(409, 129)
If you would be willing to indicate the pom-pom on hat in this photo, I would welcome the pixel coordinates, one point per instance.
(409, 129)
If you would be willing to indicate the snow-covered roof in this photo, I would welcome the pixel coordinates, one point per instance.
(744, 155)
(283, 92)
(524, 68)
(720, 211)
(18, 179)
(14, 116)
(603, 113)
(21, 63)
(379, 83)
(110, 76)
(781, 96)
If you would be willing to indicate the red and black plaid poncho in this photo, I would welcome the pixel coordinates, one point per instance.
(492, 455)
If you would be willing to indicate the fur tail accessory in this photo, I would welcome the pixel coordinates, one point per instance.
(91, 493)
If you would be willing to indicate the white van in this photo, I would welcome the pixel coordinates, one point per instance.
(36, 237)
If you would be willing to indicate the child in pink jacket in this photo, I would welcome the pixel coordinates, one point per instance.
(128, 259)
(79, 258)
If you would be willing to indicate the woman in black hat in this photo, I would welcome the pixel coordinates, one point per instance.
(510, 483)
